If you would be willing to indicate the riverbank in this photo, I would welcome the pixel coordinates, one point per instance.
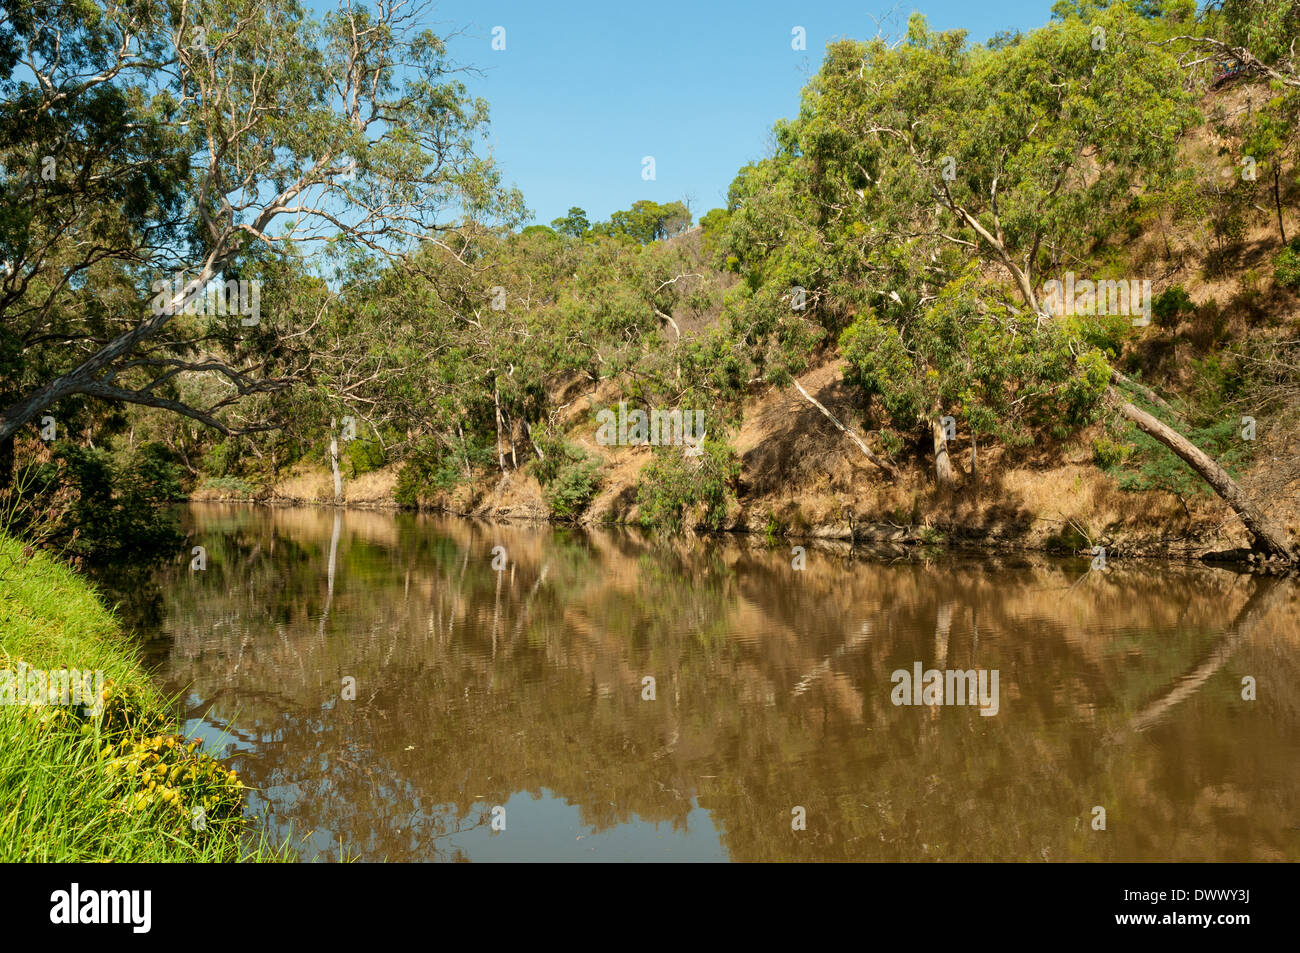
(1062, 510)
(92, 767)
(801, 479)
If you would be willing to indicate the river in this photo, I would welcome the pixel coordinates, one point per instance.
(394, 686)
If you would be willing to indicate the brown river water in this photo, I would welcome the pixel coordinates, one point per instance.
(389, 694)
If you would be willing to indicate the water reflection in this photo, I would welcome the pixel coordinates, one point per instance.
(524, 689)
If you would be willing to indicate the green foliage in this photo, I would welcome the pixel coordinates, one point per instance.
(434, 465)
(1176, 10)
(646, 222)
(1287, 265)
(1265, 27)
(219, 458)
(1107, 333)
(878, 204)
(103, 509)
(573, 487)
(714, 227)
(1109, 453)
(574, 224)
(1219, 382)
(362, 456)
(229, 486)
(119, 509)
(674, 487)
(1170, 305)
(1006, 376)
(569, 476)
(1152, 466)
(355, 120)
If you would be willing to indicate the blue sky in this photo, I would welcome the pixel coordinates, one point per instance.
(584, 90)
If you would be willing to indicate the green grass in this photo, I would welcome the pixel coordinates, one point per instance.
(119, 787)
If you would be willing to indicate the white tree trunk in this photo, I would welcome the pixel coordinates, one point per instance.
(334, 463)
(1268, 538)
(496, 400)
(942, 465)
(883, 464)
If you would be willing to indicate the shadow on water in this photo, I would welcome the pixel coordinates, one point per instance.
(524, 690)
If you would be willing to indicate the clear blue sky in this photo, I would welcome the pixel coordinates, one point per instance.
(584, 90)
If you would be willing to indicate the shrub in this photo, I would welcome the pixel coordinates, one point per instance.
(573, 488)
(1170, 305)
(569, 476)
(672, 484)
(434, 465)
(1105, 332)
(1287, 265)
(1108, 453)
(229, 486)
(362, 456)
(103, 509)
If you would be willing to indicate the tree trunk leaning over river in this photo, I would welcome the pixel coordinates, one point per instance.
(1268, 538)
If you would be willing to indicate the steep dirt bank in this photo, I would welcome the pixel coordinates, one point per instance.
(802, 478)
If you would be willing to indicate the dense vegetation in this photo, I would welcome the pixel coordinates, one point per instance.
(906, 224)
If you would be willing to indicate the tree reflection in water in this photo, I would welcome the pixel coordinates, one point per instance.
(523, 688)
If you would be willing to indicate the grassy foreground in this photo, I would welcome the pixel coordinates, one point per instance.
(119, 784)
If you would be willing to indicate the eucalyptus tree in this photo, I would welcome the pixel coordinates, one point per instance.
(214, 141)
(574, 223)
(1008, 377)
(646, 221)
(1022, 157)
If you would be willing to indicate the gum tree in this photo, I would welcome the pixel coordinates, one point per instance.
(252, 134)
(1007, 376)
(1015, 157)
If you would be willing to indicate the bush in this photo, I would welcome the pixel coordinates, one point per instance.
(101, 509)
(432, 466)
(1105, 332)
(229, 486)
(573, 488)
(1108, 453)
(1170, 305)
(362, 456)
(1287, 265)
(153, 474)
(672, 484)
(570, 477)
